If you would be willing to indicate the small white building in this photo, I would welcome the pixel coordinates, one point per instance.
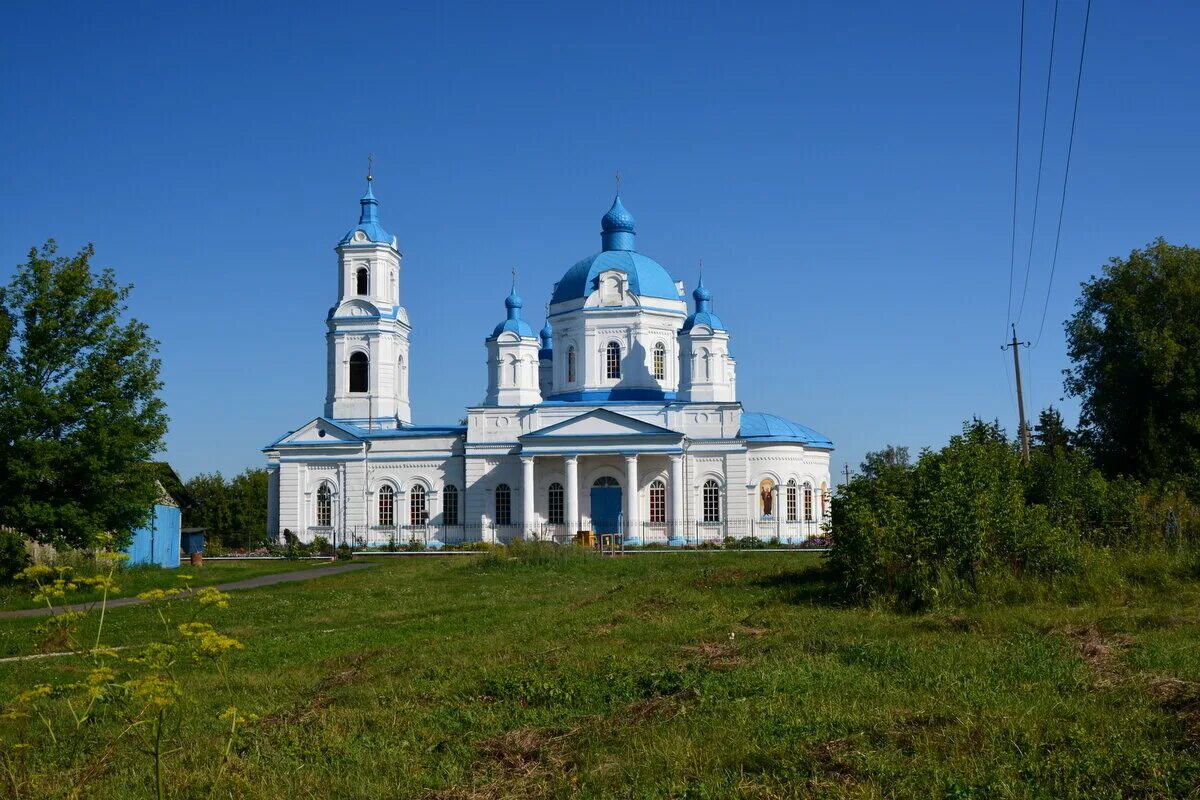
(621, 416)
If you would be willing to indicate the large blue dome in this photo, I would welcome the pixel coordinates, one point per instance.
(771, 428)
(647, 278)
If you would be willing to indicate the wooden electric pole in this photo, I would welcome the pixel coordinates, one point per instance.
(1024, 429)
(846, 468)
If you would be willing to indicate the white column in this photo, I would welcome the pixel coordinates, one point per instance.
(677, 522)
(526, 496)
(571, 517)
(632, 523)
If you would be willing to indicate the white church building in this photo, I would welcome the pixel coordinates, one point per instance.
(620, 416)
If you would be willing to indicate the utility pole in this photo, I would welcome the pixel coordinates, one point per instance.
(846, 470)
(1024, 429)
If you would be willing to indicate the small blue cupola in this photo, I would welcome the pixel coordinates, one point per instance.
(616, 228)
(547, 337)
(703, 314)
(514, 323)
(368, 221)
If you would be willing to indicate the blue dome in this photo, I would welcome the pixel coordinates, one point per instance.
(368, 222)
(647, 278)
(770, 428)
(547, 336)
(617, 219)
(703, 314)
(514, 322)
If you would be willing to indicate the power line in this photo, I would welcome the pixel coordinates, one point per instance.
(1012, 247)
(1066, 172)
(1037, 191)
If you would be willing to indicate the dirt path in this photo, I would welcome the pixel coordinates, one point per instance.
(248, 583)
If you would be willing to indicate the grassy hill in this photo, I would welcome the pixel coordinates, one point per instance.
(680, 675)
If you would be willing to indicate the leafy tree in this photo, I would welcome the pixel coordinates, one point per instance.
(878, 462)
(80, 415)
(1135, 344)
(207, 504)
(234, 512)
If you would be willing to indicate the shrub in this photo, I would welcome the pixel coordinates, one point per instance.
(14, 554)
(344, 553)
(320, 545)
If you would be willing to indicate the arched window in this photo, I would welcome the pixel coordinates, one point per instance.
(606, 482)
(571, 364)
(824, 499)
(660, 361)
(387, 505)
(556, 501)
(808, 504)
(792, 501)
(402, 384)
(450, 505)
(613, 360)
(360, 371)
(658, 502)
(418, 506)
(360, 280)
(711, 501)
(503, 505)
(324, 506)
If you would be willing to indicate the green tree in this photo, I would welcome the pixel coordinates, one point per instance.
(207, 505)
(1135, 346)
(79, 410)
(249, 500)
(1051, 434)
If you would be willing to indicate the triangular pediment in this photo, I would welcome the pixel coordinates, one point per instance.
(319, 431)
(601, 422)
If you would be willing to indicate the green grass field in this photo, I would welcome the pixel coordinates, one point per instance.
(701, 675)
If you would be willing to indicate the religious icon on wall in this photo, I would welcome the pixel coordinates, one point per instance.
(766, 497)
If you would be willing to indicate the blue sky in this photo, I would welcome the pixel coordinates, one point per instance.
(843, 169)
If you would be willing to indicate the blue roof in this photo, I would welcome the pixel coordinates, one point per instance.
(703, 314)
(770, 428)
(617, 218)
(368, 222)
(647, 278)
(514, 323)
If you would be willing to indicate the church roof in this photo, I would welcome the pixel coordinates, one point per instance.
(647, 278)
(703, 314)
(368, 221)
(770, 428)
(514, 323)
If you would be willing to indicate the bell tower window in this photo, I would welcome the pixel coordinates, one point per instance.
(660, 361)
(571, 364)
(360, 372)
(361, 281)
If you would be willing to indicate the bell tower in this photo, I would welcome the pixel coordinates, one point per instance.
(367, 328)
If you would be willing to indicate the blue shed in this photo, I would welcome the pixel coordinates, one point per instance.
(158, 541)
(193, 540)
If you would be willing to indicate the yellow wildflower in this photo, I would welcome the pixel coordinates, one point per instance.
(34, 573)
(160, 594)
(195, 628)
(211, 596)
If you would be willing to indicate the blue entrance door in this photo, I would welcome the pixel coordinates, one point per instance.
(606, 509)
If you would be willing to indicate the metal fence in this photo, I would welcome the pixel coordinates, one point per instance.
(727, 533)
